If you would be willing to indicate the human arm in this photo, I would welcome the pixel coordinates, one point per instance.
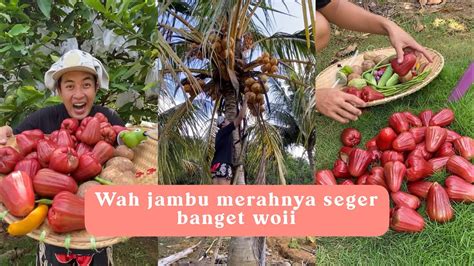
(338, 105)
(352, 17)
(242, 113)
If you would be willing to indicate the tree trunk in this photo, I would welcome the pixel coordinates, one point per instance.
(241, 249)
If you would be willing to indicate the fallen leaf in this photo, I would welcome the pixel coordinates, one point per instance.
(454, 25)
(419, 26)
(347, 51)
(439, 22)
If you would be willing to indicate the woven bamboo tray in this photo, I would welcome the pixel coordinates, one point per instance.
(146, 162)
(327, 77)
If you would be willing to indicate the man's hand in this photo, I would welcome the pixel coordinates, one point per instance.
(400, 39)
(338, 105)
(5, 133)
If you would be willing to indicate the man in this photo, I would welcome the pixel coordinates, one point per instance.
(77, 76)
(221, 165)
(334, 103)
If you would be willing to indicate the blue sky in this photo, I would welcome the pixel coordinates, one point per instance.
(288, 23)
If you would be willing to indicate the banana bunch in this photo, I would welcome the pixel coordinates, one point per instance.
(269, 64)
(255, 94)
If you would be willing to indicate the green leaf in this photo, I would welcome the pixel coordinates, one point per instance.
(45, 7)
(18, 29)
(27, 93)
(7, 17)
(52, 101)
(95, 4)
(6, 108)
(18, 47)
(6, 48)
(149, 86)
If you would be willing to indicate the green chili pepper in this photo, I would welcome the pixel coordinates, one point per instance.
(386, 75)
(393, 80)
(370, 78)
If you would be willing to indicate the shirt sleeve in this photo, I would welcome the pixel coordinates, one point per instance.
(322, 3)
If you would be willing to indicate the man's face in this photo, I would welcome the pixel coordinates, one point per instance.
(77, 89)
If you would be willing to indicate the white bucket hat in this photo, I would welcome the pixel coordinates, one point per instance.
(76, 60)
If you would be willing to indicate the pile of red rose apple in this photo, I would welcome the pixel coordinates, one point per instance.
(53, 166)
(411, 149)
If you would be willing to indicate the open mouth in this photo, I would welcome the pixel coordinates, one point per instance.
(79, 108)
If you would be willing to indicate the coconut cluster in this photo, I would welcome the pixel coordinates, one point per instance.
(255, 90)
(269, 64)
(188, 88)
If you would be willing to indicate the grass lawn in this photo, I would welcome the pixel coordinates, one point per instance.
(135, 251)
(448, 244)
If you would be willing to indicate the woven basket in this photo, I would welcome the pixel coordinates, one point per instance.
(145, 160)
(327, 77)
